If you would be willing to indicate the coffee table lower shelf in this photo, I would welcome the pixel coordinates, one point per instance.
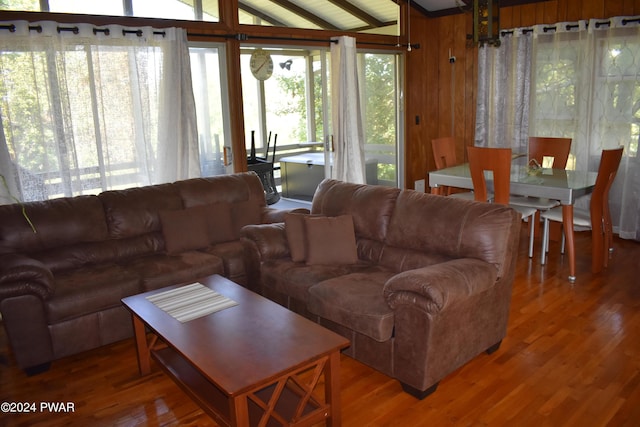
(218, 405)
(211, 399)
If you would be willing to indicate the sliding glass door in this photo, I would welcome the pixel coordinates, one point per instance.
(287, 114)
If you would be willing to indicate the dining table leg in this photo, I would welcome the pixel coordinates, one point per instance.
(567, 225)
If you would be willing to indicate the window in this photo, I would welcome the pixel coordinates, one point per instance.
(193, 10)
(618, 92)
(293, 105)
(212, 108)
(380, 104)
(83, 113)
(599, 108)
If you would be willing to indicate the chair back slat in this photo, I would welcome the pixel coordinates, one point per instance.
(496, 160)
(558, 148)
(444, 152)
(609, 163)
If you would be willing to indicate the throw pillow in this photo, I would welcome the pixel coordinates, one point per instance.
(330, 240)
(296, 235)
(185, 229)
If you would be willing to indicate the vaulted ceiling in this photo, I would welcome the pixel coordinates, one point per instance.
(376, 16)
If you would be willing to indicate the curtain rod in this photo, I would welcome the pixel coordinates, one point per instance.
(569, 27)
(76, 30)
(240, 36)
(246, 37)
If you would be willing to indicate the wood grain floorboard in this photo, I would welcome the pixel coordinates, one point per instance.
(571, 358)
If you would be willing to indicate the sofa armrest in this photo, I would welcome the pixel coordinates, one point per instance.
(436, 287)
(269, 241)
(272, 215)
(21, 275)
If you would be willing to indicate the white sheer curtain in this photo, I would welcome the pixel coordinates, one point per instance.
(585, 84)
(348, 133)
(504, 84)
(85, 109)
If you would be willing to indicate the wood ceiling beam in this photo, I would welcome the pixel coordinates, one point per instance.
(357, 12)
(305, 14)
(260, 14)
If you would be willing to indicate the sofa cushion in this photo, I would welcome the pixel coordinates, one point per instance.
(232, 188)
(370, 205)
(185, 229)
(160, 270)
(232, 256)
(77, 255)
(58, 222)
(220, 223)
(245, 213)
(355, 301)
(294, 279)
(134, 211)
(86, 290)
(330, 240)
(423, 222)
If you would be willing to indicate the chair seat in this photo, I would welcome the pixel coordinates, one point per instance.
(539, 203)
(467, 195)
(524, 210)
(581, 217)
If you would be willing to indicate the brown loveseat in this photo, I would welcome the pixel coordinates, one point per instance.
(427, 290)
(60, 288)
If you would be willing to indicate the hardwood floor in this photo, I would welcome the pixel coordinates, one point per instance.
(571, 358)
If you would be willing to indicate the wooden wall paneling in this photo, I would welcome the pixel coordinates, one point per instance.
(462, 110)
(506, 17)
(562, 12)
(574, 10)
(614, 8)
(433, 111)
(593, 9)
(528, 15)
(445, 71)
(550, 12)
(539, 12)
(419, 106)
(469, 100)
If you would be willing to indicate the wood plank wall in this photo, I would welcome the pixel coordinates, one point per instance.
(434, 84)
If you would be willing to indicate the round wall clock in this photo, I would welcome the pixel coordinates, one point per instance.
(261, 64)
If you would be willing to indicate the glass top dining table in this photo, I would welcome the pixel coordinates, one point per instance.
(557, 184)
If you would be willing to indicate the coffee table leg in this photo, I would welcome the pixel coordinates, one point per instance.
(332, 389)
(239, 411)
(142, 347)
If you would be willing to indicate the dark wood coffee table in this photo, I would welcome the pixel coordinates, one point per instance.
(256, 363)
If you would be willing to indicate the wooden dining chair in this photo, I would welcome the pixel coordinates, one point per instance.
(540, 147)
(444, 156)
(597, 217)
(556, 148)
(498, 161)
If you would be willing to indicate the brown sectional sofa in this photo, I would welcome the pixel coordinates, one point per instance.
(430, 287)
(60, 287)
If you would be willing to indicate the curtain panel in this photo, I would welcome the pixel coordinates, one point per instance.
(86, 109)
(348, 131)
(584, 83)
